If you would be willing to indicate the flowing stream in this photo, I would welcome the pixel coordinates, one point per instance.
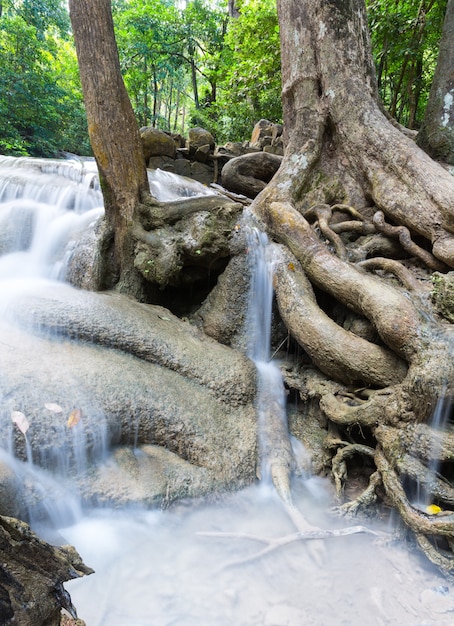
(161, 568)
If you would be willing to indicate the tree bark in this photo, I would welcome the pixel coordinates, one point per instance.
(113, 131)
(436, 136)
(349, 176)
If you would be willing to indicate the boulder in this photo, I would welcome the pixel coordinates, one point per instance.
(267, 135)
(249, 174)
(101, 370)
(156, 142)
(198, 137)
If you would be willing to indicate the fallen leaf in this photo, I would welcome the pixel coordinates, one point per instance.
(433, 509)
(20, 420)
(291, 267)
(55, 408)
(74, 418)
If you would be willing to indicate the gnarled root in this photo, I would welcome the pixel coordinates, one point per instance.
(422, 524)
(397, 321)
(403, 234)
(336, 352)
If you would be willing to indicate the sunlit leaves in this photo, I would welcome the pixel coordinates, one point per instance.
(40, 106)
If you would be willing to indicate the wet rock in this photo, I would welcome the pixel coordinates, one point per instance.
(202, 172)
(10, 491)
(146, 475)
(165, 163)
(139, 375)
(32, 574)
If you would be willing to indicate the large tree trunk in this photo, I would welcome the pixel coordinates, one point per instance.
(353, 189)
(436, 136)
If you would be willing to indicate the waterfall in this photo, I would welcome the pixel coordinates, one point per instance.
(271, 395)
(427, 485)
(153, 567)
(44, 206)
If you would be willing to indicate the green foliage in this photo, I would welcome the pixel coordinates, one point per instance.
(250, 88)
(149, 39)
(188, 63)
(405, 36)
(41, 108)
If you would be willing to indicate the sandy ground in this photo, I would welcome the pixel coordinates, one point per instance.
(155, 569)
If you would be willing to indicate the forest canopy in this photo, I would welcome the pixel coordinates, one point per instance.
(189, 64)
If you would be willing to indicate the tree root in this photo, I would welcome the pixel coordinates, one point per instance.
(393, 267)
(274, 544)
(420, 440)
(369, 413)
(403, 234)
(428, 482)
(154, 214)
(339, 467)
(364, 500)
(336, 352)
(397, 321)
(418, 521)
(323, 214)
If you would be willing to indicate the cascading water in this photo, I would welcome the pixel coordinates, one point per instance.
(152, 567)
(439, 425)
(271, 392)
(43, 204)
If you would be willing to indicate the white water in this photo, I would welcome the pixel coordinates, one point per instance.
(270, 383)
(153, 568)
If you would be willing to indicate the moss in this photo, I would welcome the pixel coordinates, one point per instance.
(443, 294)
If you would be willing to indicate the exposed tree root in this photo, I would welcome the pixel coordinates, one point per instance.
(395, 318)
(274, 544)
(335, 351)
(403, 234)
(340, 465)
(423, 525)
(364, 500)
(393, 267)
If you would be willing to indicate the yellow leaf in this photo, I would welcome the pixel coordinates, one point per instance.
(291, 267)
(74, 418)
(433, 509)
(20, 420)
(55, 408)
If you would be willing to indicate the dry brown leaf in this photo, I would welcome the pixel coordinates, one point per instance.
(20, 420)
(74, 418)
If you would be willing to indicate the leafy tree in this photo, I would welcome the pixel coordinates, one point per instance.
(250, 69)
(405, 38)
(149, 36)
(41, 108)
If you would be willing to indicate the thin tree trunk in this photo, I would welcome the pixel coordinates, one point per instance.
(436, 136)
(113, 130)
